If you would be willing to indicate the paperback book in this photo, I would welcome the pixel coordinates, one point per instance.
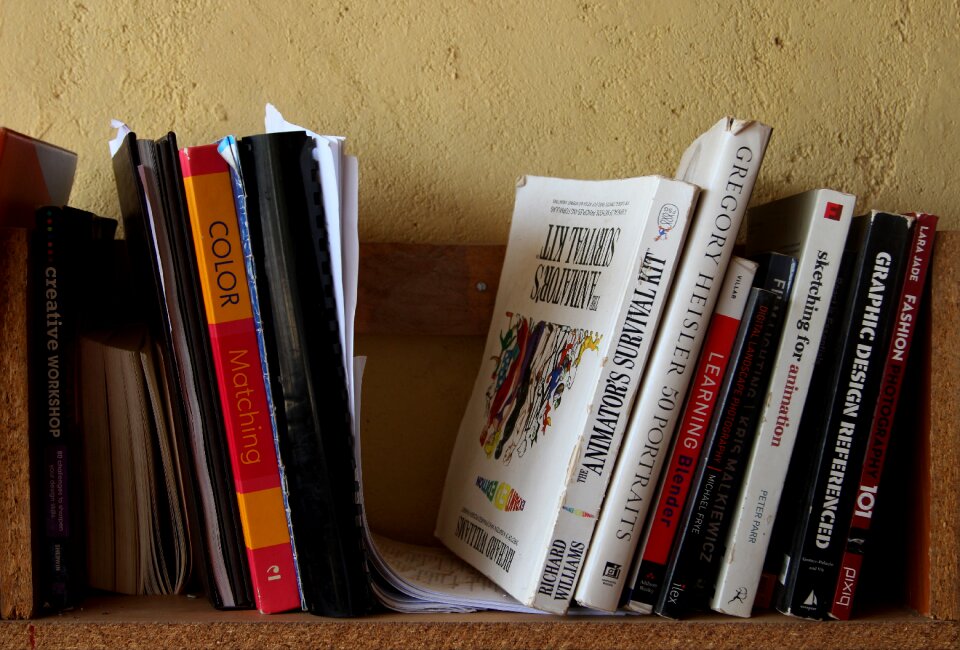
(247, 413)
(580, 286)
(898, 352)
(811, 565)
(813, 227)
(694, 560)
(646, 579)
(60, 244)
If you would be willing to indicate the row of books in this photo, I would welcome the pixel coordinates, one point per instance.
(191, 385)
(651, 404)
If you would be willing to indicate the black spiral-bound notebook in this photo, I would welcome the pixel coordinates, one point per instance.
(301, 333)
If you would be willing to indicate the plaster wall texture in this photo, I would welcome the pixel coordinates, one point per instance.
(446, 103)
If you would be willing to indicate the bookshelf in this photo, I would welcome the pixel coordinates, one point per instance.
(449, 290)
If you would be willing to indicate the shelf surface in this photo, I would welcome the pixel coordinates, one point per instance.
(190, 622)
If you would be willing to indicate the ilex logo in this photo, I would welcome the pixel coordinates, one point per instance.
(833, 211)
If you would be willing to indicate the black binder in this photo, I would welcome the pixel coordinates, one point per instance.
(301, 331)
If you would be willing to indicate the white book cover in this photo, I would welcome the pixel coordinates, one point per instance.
(813, 227)
(724, 163)
(613, 398)
(574, 253)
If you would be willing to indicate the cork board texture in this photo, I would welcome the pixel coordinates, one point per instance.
(16, 588)
(944, 459)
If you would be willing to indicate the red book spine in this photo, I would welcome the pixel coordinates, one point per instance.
(240, 379)
(689, 444)
(652, 557)
(921, 250)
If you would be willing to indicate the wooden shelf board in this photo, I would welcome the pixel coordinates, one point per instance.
(189, 622)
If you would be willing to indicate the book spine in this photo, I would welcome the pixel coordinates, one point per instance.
(223, 569)
(755, 510)
(814, 415)
(898, 351)
(728, 172)
(242, 392)
(694, 561)
(54, 426)
(819, 536)
(663, 236)
(654, 550)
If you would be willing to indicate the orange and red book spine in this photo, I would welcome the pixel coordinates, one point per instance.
(240, 382)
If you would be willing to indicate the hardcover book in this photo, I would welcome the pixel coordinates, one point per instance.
(579, 291)
(646, 578)
(811, 565)
(724, 162)
(813, 227)
(236, 355)
(898, 352)
(33, 173)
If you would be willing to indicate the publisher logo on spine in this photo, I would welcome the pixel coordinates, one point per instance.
(611, 571)
(666, 220)
(501, 495)
(833, 211)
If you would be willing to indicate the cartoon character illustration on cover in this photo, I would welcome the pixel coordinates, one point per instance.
(537, 364)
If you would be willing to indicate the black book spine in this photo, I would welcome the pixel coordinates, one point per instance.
(819, 536)
(301, 333)
(203, 377)
(695, 560)
(895, 378)
(60, 235)
(802, 457)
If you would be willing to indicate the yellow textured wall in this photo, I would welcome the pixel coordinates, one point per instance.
(446, 103)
